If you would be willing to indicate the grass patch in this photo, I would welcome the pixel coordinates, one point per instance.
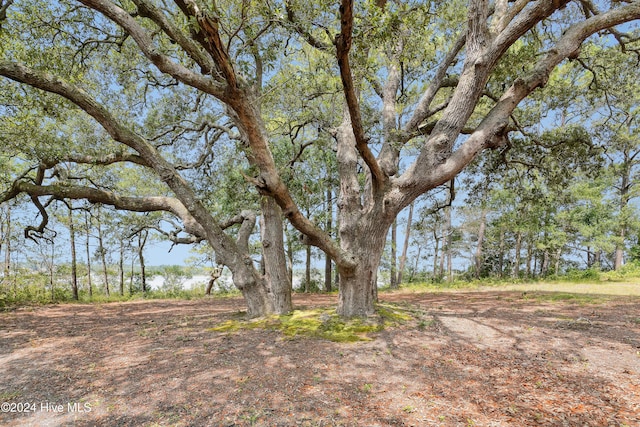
(6, 396)
(324, 323)
(565, 297)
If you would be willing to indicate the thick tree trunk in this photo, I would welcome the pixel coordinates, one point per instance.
(276, 275)
(259, 302)
(358, 287)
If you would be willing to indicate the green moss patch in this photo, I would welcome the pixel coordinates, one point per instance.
(324, 323)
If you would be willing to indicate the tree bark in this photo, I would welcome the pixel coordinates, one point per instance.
(276, 274)
(358, 287)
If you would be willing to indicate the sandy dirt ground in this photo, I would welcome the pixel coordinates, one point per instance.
(473, 359)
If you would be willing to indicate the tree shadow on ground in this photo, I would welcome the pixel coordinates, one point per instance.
(482, 359)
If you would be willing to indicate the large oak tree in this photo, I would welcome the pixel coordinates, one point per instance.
(423, 91)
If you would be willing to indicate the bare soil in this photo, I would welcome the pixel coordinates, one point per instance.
(474, 359)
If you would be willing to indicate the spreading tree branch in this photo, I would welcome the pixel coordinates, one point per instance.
(343, 46)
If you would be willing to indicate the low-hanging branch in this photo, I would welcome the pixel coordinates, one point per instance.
(94, 195)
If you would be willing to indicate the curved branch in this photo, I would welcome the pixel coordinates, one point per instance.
(93, 195)
(343, 46)
(149, 10)
(146, 45)
(209, 37)
(492, 130)
(422, 109)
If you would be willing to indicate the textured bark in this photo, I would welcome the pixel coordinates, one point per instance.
(359, 287)
(276, 274)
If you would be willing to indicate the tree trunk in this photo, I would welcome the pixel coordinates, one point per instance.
(516, 263)
(625, 185)
(435, 253)
(393, 283)
(544, 268)
(405, 246)
(74, 262)
(103, 256)
(529, 256)
(7, 247)
(131, 275)
(501, 253)
(215, 275)
(121, 267)
(478, 254)
(328, 225)
(276, 275)
(142, 240)
(415, 265)
(557, 265)
(52, 266)
(87, 223)
(307, 268)
(290, 260)
(358, 287)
